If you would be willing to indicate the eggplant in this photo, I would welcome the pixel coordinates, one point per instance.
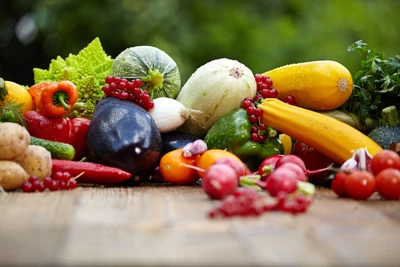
(122, 134)
(175, 140)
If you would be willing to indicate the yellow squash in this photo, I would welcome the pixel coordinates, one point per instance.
(19, 95)
(331, 137)
(315, 85)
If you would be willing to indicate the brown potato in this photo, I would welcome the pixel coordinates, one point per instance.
(14, 139)
(12, 175)
(36, 161)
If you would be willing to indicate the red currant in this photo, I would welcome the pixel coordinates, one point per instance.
(72, 184)
(109, 79)
(26, 187)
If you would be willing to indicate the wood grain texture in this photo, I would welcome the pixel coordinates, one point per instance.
(158, 225)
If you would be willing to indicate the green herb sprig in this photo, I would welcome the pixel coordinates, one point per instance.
(376, 84)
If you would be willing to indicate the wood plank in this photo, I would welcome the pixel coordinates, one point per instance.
(159, 225)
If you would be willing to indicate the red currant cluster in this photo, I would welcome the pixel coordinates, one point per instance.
(248, 202)
(58, 181)
(128, 90)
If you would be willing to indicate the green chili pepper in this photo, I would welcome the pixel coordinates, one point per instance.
(232, 132)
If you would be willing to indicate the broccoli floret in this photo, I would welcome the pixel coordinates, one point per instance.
(87, 70)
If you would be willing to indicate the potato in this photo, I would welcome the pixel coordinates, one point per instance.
(14, 139)
(36, 161)
(12, 175)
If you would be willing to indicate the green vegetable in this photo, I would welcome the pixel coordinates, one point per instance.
(58, 150)
(389, 130)
(232, 132)
(376, 84)
(87, 70)
(157, 70)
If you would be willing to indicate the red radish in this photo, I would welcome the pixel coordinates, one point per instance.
(293, 159)
(281, 180)
(299, 172)
(220, 181)
(238, 167)
(267, 165)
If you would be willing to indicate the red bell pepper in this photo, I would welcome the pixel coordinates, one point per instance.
(64, 130)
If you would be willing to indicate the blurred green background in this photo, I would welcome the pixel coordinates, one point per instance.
(262, 34)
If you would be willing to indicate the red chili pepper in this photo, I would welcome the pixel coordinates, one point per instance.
(93, 173)
(65, 130)
(54, 98)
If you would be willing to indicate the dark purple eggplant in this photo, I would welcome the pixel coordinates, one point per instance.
(122, 134)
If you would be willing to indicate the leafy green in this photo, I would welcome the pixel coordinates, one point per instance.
(376, 84)
(87, 70)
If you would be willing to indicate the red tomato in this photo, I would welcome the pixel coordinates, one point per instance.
(337, 184)
(388, 183)
(360, 185)
(383, 160)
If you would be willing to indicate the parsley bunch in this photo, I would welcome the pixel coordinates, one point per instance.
(376, 84)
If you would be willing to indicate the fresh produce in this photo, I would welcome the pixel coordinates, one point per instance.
(315, 85)
(89, 172)
(123, 89)
(233, 133)
(388, 131)
(63, 130)
(54, 99)
(169, 114)
(57, 181)
(157, 70)
(12, 175)
(87, 70)
(216, 88)
(14, 140)
(329, 136)
(268, 165)
(388, 183)
(361, 175)
(281, 180)
(291, 159)
(384, 160)
(36, 161)
(300, 174)
(14, 101)
(174, 140)
(287, 143)
(313, 160)
(352, 119)
(174, 170)
(360, 184)
(376, 84)
(123, 135)
(58, 150)
(209, 157)
(219, 181)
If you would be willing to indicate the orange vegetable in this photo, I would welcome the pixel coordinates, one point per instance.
(211, 156)
(172, 168)
(54, 98)
(17, 93)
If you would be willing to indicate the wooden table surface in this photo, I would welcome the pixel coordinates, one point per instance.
(159, 225)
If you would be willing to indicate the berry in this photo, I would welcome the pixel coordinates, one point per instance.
(41, 187)
(26, 187)
(109, 79)
(291, 100)
(47, 182)
(72, 184)
(32, 179)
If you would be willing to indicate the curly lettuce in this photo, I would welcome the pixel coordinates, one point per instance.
(87, 70)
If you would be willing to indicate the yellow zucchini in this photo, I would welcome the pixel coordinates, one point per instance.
(331, 137)
(315, 85)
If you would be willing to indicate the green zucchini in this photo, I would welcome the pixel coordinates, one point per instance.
(58, 150)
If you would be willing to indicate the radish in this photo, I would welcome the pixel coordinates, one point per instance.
(238, 167)
(267, 166)
(281, 180)
(299, 172)
(220, 181)
(293, 159)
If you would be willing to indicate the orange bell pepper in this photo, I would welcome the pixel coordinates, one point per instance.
(54, 99)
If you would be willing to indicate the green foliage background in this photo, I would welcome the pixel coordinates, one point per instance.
(262, 34)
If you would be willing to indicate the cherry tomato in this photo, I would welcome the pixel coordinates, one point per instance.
(388, 183)
(337, 184)
(360, 185)
(383, 160)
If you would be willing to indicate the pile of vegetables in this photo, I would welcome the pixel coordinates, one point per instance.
(251, 139)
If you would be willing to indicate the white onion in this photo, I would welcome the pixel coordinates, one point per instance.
(169, 114)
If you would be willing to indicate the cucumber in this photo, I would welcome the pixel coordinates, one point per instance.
(58, 150)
